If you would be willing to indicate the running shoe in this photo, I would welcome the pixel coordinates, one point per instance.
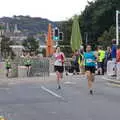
(91, 92)
(59, 87)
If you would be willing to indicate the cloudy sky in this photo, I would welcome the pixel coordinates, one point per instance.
(55, 10)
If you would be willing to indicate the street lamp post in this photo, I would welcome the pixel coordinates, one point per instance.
(117, 27)
(1, 33)
(117, 38)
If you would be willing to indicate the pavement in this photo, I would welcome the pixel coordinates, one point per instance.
(38, 99)
(115, 81)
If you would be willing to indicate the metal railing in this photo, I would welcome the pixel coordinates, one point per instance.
(39, 67)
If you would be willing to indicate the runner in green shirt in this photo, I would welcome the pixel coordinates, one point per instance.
(8, 66)
(27, 63)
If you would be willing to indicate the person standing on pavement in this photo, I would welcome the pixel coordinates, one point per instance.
(114, 55)
(75, 62)
(59, 65)
(90, 63)
(101, 59)
(108, 57)
(114, 50)
(118, 54)
(80, 62)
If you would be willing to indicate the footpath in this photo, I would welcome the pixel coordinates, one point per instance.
(20, 80)
(115, 81)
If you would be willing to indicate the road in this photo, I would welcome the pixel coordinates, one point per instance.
(42, 101)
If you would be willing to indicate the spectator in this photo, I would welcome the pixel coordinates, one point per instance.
(114, 50)
(118, 54)
(114, 55)
(101, 58)
(75, 62)
(108, 57)
(81, 62)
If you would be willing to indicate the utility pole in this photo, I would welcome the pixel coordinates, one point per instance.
(117, 36)
(117, 27)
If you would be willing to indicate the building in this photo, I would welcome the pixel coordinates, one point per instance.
(15, 35)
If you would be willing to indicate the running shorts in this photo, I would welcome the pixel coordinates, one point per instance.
(59, 69)
(90, 68)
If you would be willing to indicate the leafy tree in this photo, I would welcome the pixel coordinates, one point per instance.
(44, 52)
(66, 28)
(6, 50)
(107, 36)
(96, 20)
(31, 44)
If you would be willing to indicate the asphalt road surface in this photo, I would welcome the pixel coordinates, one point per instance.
(42, 101)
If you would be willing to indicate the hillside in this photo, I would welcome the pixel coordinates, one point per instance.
(27, 24)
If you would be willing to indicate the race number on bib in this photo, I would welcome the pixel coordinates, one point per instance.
(89, 60)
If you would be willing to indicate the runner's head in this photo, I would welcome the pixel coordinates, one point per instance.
(58, 49)
(88, 48)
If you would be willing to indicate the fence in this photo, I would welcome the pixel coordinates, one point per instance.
(39, 67)
(113, 69)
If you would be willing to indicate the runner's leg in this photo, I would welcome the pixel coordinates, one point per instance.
(7, 73)
(90, 81)
(58, 79)
(28, 71)
(93, 77)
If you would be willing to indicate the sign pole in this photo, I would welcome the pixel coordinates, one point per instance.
(117, 28)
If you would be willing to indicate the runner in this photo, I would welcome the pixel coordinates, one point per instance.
(27, 63)
(8, 66)
(58, 65)
(90, 60)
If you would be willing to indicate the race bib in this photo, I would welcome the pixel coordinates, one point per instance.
(89, 60)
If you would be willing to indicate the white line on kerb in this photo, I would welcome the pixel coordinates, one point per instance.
(51, 92)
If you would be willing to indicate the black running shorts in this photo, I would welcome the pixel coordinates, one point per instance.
(90, 68)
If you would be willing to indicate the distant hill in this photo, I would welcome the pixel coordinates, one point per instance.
(27, 24)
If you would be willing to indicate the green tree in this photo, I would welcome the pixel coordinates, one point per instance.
(6, 50)
(31, 44)
(66, 28)
(97, 17)
(106, 38)
(44, 52)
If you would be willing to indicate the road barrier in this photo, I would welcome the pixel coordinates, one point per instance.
(113, 69)
(39, 67)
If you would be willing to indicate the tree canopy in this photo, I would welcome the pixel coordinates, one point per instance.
(97, 20)
(31, 44)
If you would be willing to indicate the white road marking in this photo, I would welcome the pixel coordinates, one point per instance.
(106, 78)
(117, 84)
(112, 84)
(51, 92)
(117, 81)
(4, 88)
(70, 83)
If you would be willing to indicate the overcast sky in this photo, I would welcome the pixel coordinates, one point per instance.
(55, 10)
